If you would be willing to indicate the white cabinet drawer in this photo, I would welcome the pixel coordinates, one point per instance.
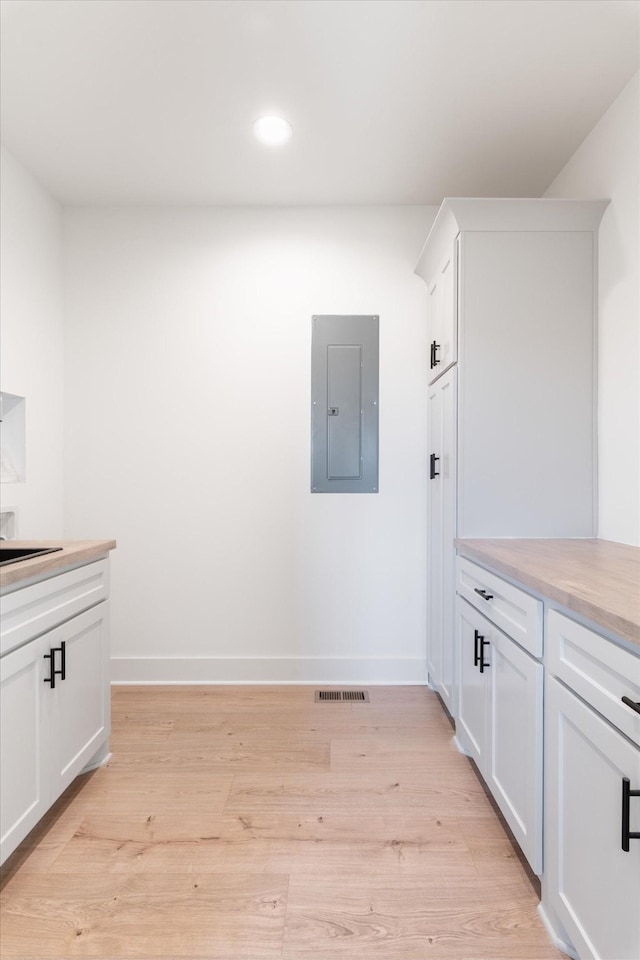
(511, 609)
(601, 672)
(33, 610)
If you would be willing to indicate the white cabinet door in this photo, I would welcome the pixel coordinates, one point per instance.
(593, 883)
(24, 784)
(514, 772)
(448, 685)
(441, 532)
(81, 717)
(471, 726)
(434, 537)
(442, 317)
(499, 723)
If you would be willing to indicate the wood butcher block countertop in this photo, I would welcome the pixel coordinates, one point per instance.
(597, 579)
(74, 553)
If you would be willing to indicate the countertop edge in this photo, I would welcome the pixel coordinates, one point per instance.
(74, 553)
(601, 616)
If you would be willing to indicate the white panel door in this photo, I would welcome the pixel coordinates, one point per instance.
(24, 784)
(594, 883)
(514, 773)
(434, 325)
(434, 536)
(442, 317)
(82, 705)
(448, 686)
(448, 352)
(473, 686)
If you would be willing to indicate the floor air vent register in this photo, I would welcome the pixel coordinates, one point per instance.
(341, 696)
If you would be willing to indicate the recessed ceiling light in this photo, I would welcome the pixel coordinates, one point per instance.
(273, 131)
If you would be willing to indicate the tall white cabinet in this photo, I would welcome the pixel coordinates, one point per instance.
(511, 302)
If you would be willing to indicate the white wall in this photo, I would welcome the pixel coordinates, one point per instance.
(31, 318)
(187, 439)
(607, 164)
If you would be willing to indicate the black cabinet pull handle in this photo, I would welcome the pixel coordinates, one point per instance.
(53, 672)
(433, 473)
(483, 593)
(434, 349)
(627, 834)
(483, 666)
(51, 657)
(476, 654)
(631, 703)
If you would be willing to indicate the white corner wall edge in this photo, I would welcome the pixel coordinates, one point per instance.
(276, 670)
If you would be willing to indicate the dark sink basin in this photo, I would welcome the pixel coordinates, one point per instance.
(13, 554)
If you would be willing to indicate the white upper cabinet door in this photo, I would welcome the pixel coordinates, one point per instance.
(514, 774)
(595, 881)
(24, 784)
(442, 317)
(434, 326)
(82, 707)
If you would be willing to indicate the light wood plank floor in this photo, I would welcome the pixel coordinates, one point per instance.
(249, 823)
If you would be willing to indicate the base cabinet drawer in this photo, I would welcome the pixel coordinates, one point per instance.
(500, 723)
(591, 880)
(30, 611)
(513, 610)
(602, 673)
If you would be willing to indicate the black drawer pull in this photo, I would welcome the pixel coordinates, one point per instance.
(483, 593)
(433, 473)
(631, 703)
(434, 349)
(627, 793)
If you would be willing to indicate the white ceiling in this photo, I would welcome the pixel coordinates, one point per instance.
(391, 101)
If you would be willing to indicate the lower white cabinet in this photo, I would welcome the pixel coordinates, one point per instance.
(54, 717)
(500, 723)
(24, 745)
(591, 882)
(553, 724)
(472, 723)
(80, 706)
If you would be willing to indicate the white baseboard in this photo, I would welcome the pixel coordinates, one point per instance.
(257, 670)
